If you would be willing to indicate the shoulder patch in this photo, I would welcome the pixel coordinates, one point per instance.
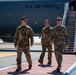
(43, 28)
(28, 27)
(63, 27)
(54, 27)
(51, 27)
(19, 27)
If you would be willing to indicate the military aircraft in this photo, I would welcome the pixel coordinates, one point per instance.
(36, 11)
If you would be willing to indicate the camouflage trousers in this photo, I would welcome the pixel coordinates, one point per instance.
(43, 53)
(27, 55)
(58, 53)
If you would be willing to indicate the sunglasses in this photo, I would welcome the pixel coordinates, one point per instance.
(58, 20)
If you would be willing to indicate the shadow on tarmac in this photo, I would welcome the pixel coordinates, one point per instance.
(17, 73)
(45, 65)
(55, 73)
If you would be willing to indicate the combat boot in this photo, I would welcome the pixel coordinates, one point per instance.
(41, 62)
(58, 68)
(30, 66)
(18, 69)
(49, 63)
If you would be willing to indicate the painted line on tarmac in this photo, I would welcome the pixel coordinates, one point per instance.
(16, 65)
(71, 70)
(7, 67)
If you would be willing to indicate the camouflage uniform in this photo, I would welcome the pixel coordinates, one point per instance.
(21, 40)
(45, 41)
(60, 37)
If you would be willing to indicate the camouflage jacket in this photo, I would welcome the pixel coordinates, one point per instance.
(46, 35)
(22, 36)
(60, 34)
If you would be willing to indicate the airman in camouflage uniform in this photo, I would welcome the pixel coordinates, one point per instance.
(60, 37)
(21, 42)
(46, 42)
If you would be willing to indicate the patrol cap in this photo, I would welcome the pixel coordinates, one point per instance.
(24, 18)
(48, 21)
(59, 18)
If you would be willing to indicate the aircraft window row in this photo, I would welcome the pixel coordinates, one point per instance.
(41, 6)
